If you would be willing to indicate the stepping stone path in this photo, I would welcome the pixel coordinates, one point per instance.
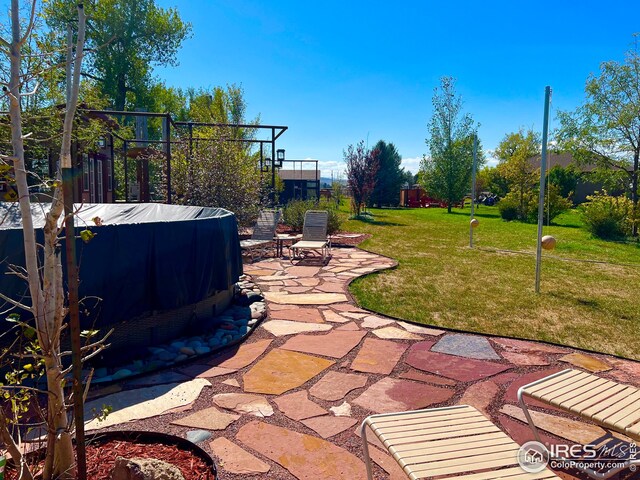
(288, 401)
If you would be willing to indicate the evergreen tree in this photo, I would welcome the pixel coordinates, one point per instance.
(390, 176)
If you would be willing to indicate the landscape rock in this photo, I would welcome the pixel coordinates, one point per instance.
(144, 469)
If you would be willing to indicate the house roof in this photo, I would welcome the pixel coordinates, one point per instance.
(563, 160)
(312, 175)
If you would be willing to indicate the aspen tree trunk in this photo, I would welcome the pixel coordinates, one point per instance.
(46, 287)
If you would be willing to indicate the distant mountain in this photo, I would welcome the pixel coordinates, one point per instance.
(327, 181)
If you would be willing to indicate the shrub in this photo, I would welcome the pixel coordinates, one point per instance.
(293, 214)
(554, 205)
(509, 207)
(607, 216)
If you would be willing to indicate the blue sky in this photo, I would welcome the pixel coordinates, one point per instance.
(339, 72)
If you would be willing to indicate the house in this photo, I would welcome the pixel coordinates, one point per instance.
(299, 185)
(587, 185)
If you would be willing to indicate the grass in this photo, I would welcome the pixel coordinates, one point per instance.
(589, 290)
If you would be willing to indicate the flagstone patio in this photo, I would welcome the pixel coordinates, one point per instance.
(286, 403)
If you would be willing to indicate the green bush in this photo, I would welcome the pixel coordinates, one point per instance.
(293, 214)
(554, 204)
(608, 217)
(509, 207)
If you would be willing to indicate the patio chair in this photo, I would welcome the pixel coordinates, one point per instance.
(314, 237)
(457, 442)
(264, 230)
(611, 405)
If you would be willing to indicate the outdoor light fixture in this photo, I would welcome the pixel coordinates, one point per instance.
(102, 142)
(279, 158)
(266, 164)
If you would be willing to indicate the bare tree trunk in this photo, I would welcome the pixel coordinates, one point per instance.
(47, 306)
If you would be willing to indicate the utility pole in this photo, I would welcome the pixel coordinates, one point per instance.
(543, 172)
(473, 187)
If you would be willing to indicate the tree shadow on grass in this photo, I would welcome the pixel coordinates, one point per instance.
(475, 214)
(380, 223)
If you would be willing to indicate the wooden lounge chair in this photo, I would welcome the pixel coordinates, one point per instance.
(264, 230)
(612, 405)
(457, 442)
(314, 237)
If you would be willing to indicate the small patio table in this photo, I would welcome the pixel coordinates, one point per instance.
(281, 239)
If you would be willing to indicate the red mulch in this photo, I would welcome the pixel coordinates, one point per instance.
(101, 458)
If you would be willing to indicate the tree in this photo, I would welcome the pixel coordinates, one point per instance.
(446, 173)
(492, 180)
(362, 165)
(46, 288)
(515, 152)
(605, 130)
(125, 39)
(216, 168)
(566, 179)
(389, 177)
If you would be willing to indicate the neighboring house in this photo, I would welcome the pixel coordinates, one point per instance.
(586, 185)
(299, 185)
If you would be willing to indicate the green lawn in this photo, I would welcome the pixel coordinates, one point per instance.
(441, 281)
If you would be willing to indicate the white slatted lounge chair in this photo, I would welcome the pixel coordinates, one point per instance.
(455, 443)
(262, 238)
(612, 405)
(314, 237)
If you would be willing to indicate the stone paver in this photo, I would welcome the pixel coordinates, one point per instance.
(234, 459)
(280, 328)
(158, 379)
(305, 456)
(210, 419)
(480, 395)
(331, 287)
(378, 356)
(427, 377)
(231, 382)
(329, 426)
(244, 403)
(527, 346)
(305, 298)
(392, 395)
(511, 395)
(282, 370)
(563, 427)
(467, 346)
(587, 362)
(335, 344)
(348, 327)
(310, 315)
(297, 406)
(144, 402)
(371, 321)
(410, 327)
(524, 359)
(335, 385)
(395, 333)
(243, 356)
(331, 316)
(342, 410)
(457, 368)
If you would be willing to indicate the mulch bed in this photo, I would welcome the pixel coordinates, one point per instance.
(101, 458)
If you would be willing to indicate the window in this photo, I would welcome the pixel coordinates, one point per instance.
(109, 175)
(92, 181)
(85, 172)
(99, 177)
